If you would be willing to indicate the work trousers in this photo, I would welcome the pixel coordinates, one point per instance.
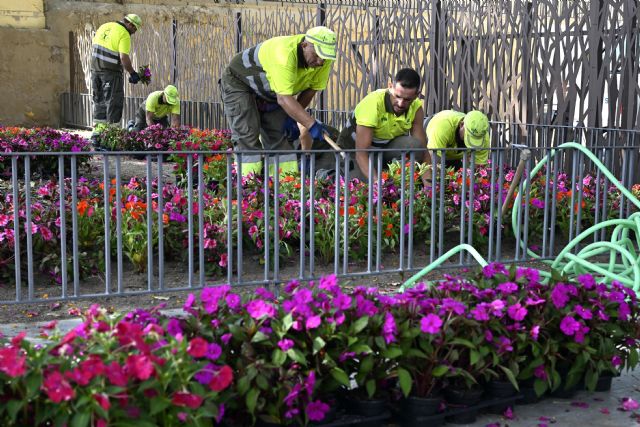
(253, 128)
(108, 96)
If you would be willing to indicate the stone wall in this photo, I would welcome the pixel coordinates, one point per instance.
(34, 61)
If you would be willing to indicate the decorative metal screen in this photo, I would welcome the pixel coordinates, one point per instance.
(563, 62)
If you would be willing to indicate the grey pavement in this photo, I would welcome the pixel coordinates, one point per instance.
(597, 409)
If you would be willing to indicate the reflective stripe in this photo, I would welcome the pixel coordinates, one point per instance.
(256, 60)
(265, 82)
(104, 58)
(245, 58)
(107, 52)
(252, 83)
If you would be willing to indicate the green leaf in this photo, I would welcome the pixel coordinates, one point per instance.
(158, 404)
(259, 337)
(252, 400)
(540, 387)
(371, 388)
(474, 357)
(404, 378)
(287, 322)
(360, 324)
(13, 407)
(463, 342)
(361, 348)
(366, 365)
(318, 344)
(512, 378)
(262, 382)
(297, 356)
(243, 385)
(440, 370)
(590, 380)
(81, 419)
(278, 357)
(393, 352)
(340, 376)
(633, 358)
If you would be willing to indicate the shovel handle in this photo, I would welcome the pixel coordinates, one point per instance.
(333, 145)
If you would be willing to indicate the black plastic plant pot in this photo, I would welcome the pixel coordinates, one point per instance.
(500, 389)
(463, 396)
(366, 407)
(413, 406)
(604, 382)
(430, 421)
(529, 396)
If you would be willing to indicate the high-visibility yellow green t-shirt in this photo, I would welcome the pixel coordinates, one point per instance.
(160, 110)
(441, 133)
(273, 67)
(376, 111)
(110, 40)
(279, 59)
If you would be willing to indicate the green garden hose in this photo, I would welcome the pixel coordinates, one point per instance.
(624, 243)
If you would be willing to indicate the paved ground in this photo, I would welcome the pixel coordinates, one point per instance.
(584, 410)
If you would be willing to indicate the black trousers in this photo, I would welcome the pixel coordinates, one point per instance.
(141, 119)
(108, 95)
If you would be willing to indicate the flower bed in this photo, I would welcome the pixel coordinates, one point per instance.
(243, 358)
(215, 146)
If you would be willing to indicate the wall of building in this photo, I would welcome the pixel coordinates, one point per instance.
(34, 61)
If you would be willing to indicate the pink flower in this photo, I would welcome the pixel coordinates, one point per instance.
(535, 331)
(508, 414)
(569, 326)
(46, 233)
(389, 328)
(517, 312)
(313, 322)
(616, 361)
(258, 309)
(430, 324)
(221, 378)
(189, 400)
(116, 375)
(140, 366)
(197, 347)
(103, 400)
(57, 388)
(316, 410)
(605, 411)
(285, 344)
(628, 404)
(12, 362)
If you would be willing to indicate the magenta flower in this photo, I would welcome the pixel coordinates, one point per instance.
(508, 287)
(213, 351)
(258, 309)
(430, 324)
(535, 331)
(517, 312)
(316, 410)
(480, 313)
(628, 404)
(313, 322)
(616, 361)
(457, 307)
(569, 325)
(583, 312)
(389, 328)
(540, 372)
(559, 296)
(285, 344)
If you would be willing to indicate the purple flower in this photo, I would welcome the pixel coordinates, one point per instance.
(537, 203)
(540, 372)
(258, 309)
(616, 361)
(580, 333)
(213, 351)
(174, 329)
(389, 329)
(457, 307)
(569, 325)
(313, 322)
(233, 301)
(226, 338)
(508, 287)
(316, 410)
(205, 375)
(535, 331)
(496, 307)
(430, 324)
(188, 303)
(624, 311)
(517, 312)
(346, 356)
(587, 281)
(285, 344)
(480, 313)
(559, 296)
(583, 312)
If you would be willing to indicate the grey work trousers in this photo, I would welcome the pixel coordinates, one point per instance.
(107, 96)
(141, 119)
(251, 128)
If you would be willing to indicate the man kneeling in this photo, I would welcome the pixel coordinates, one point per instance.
(156, 110)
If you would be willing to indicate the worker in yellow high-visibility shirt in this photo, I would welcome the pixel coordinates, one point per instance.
(266, 90)
(109, 56)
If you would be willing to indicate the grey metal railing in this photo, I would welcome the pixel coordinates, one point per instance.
(392, 231)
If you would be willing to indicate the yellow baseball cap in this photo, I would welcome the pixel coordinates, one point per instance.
(323, 40)
(134, 19)
(476, 129)
(171, 95)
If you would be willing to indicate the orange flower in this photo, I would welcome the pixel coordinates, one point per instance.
(352, 210)
(82, 207)
(385, 176)
(361, 222)
(165, 219)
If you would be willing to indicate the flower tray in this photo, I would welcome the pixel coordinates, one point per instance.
(344, 420)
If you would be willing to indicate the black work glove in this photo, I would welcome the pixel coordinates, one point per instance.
(134, 78)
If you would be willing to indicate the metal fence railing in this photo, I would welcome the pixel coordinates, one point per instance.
(98, 227)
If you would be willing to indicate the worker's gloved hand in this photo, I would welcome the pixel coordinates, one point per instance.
(134, 78)
(317, 130)
(290, 129)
